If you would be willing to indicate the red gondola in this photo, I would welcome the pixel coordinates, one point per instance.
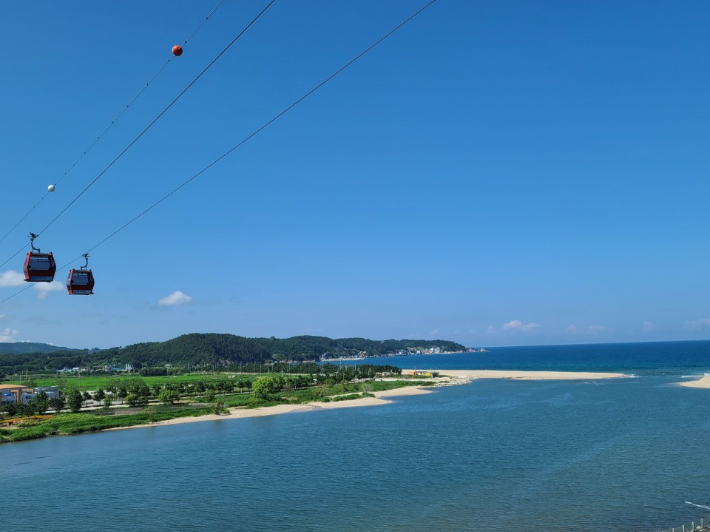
(81, 282)
(39, 267)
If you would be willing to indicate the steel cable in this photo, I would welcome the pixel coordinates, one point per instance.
(244, 140)
(145, 130)
(116, 118)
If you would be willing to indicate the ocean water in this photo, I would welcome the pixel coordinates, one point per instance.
(594, 456)
(657, 358)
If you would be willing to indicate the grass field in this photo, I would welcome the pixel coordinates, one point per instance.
(91, 383)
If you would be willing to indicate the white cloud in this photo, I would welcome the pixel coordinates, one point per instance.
(572, 329)
(11, 278)
(44, 288)
(491, 329)
(520, 326)
(696, 325)
(433, 332)
(8, 335)
(176, 298)
(648, 326)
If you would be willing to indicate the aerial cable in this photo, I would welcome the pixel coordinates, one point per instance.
(156, 118)
(160, 70)
(147, 127)
(14, 255)
(202, 23)
(16, 293)
(243, 141)
(116, 118)
(258, 130)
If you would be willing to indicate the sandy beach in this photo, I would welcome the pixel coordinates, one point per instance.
(239, 413)
(703, 382)
(472, 374)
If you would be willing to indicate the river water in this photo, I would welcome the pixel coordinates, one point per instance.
(619, 455)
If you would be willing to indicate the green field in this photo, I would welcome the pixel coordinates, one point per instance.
(91, 383)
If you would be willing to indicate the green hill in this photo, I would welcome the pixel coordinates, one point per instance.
(197, 350)
(222, 349)
(30, 347)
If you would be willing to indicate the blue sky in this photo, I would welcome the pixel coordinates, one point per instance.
(495, 173)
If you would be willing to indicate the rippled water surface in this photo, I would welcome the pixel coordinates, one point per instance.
(492, 455)
(653, 358)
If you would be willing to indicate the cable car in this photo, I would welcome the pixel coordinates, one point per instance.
(81, 282)
(39, 267)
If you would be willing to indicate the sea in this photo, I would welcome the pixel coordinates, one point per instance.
(492, 455)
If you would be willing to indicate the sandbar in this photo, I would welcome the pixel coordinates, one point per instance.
(526, 375)
(703, 382)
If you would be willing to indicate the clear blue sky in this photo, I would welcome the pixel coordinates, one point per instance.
(495, 173)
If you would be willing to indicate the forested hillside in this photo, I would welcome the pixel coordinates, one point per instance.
(197, 350)
(30, 347)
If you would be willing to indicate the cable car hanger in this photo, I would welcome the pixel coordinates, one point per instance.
(32, 242)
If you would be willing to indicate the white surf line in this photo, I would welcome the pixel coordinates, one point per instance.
(698, 505)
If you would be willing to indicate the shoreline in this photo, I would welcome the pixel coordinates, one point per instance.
(263, 411)
(702, 382)
(449, 378)
(445, 378)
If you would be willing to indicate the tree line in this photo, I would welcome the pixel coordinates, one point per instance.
(135, 392)
(197, 351)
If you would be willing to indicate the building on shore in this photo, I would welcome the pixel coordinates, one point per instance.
(17, 393)
(11, 393)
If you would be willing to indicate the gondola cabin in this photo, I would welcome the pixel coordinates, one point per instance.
(80, 282)
(40, 267)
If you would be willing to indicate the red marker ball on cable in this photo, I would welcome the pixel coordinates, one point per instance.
(177, 50)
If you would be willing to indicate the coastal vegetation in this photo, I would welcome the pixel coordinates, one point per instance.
(192, 375)
(131, 401)
(222, 381)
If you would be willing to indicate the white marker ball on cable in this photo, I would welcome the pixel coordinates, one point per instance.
(51, 188)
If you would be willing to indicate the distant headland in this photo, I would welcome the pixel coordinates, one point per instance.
(208, 351)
